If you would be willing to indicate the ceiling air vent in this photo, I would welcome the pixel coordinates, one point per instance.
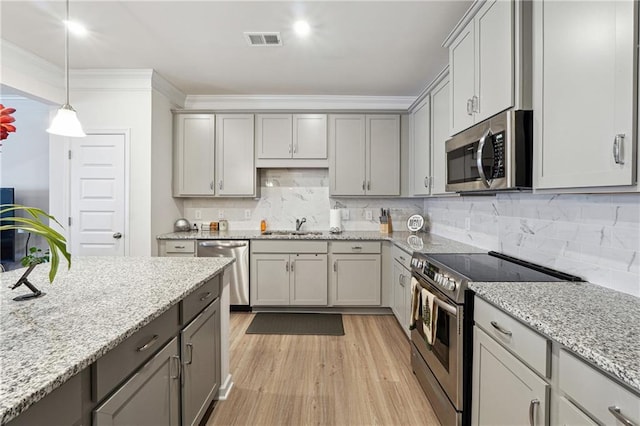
(263, 39)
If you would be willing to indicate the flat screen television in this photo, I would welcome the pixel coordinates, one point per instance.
(7, 238)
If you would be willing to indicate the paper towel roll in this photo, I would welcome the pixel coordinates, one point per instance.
(335, 221)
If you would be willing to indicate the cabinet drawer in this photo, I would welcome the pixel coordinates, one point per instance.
(181, 246)
(569, 414)
(594, 391)
(372, 247)
(401, 256)
(522, 341)
(199, 299)
(262, 246)
(121, 361)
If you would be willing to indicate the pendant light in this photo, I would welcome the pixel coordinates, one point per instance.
(66, 122)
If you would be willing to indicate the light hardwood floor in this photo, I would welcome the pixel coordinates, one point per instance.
(361, 378)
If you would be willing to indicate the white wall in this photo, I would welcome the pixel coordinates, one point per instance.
(596, 237)
(24, 160)
(164, 208)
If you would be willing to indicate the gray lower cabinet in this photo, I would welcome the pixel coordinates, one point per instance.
(200, 353)
(151, 397)
(355, 280)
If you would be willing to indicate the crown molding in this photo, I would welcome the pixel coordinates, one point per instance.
(425, 92)
(462, 23)
(298, 102)
(25, 72)
(175, 96)
(111, 79)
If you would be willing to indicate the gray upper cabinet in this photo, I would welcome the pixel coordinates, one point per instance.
(585, 99)
(439, 135)
(236, 173)
(482, 63)
(291, 140)
(200, 353)
(420, 167)
(194, 155)
(150, 397)
(364, 156)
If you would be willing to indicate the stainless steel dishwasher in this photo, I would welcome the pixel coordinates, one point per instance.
(239, 272)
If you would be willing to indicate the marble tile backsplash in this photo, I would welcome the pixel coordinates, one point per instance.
(287, 194)
(596, 237)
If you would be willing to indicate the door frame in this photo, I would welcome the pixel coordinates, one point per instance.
(127, 168)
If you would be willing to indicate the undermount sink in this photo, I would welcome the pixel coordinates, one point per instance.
(292, 233)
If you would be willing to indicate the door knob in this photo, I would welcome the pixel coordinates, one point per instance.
(117, 235)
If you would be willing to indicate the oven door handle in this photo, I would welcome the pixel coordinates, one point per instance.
(452, 310)
(479, 158)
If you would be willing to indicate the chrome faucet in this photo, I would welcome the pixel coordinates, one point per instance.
(299, 223)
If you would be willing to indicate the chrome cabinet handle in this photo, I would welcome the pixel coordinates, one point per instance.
(291, 267)
(179, 247)
(295, 149)
(206, 296)
(220, 185)
(469, 111)
(178, 367)
(189, 346)
(363, 185)
(532, 406)
(427, 181)
(501, 329)
(150, 343)
(402, 258)
(211, 185)
(617, 148)
(620, 417)
(358, 248)
(479, 157)
(289, 148)
(475, 105)
(117, 235)
(368, 185)
(286, 266)
(335, 266)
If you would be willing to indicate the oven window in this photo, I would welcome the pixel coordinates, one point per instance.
(441, 343)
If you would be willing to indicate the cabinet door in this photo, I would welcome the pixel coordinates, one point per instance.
(310, 136)
(347, 154)
(585, 95)
(570, 415)
(420, 152)
(151, 397)
(236, 173)
(355, 280)
(383, 154)
(274, 137)
(200, 348)
(439, 136)
(494, 62)
(308, 284)
(505, 391)
(462, 74)
(398, 294)
(269, 279)
(194, 154)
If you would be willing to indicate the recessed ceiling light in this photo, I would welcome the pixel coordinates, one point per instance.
(76, 28)
(302, 28)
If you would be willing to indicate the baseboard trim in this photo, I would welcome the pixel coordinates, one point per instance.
(225, 388)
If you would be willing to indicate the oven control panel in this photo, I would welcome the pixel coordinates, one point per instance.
(423, 267)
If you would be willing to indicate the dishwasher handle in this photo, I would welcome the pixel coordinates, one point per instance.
(223, 244)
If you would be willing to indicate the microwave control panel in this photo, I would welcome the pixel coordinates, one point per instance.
(498, 156)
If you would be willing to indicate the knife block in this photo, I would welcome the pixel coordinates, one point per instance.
(385, 228)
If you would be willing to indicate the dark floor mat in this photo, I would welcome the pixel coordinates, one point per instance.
(294, 323)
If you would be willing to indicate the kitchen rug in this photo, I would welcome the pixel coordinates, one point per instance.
(294, 323)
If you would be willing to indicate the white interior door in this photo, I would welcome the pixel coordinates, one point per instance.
(97, 210)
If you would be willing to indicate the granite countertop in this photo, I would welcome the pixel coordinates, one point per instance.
(599, 324)
(420, 242)
(87, 311)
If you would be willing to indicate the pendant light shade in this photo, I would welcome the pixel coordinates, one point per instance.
(66, 122)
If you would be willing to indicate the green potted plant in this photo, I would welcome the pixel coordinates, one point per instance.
(35, 224)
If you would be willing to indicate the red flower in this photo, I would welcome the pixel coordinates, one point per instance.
(5, 119)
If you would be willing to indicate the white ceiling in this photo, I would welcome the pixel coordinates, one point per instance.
(377, 48)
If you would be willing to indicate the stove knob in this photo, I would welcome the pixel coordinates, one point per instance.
(450, 284)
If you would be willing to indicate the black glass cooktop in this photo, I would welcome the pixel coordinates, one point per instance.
(493, 266)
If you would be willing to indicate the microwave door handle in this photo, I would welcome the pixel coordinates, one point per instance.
(479, 158)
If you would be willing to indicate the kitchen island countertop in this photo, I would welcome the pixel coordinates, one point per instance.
(599, 324)
(87, 311)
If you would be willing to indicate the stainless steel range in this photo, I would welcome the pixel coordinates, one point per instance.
(444, 368)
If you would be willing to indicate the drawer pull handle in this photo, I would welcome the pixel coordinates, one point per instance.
(206, 296)
(150, 343)
(356, 248)
(189, 346)
(180, 247)
(501, 329)
(178, 367)
(532, 412)
(403, 259)
(620, 417)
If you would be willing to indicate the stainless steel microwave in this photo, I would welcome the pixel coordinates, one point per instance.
(493, 155)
